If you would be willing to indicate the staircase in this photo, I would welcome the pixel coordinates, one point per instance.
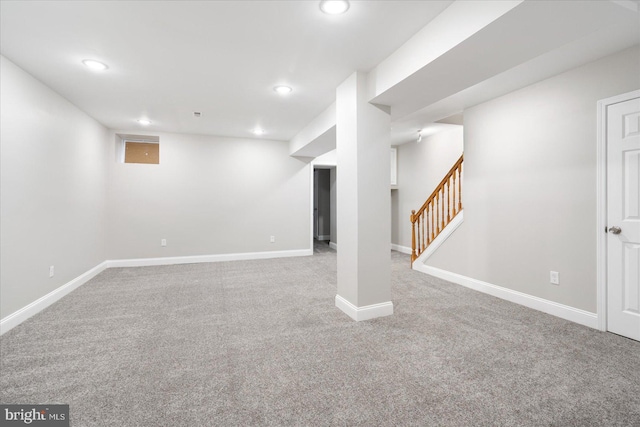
(438, 211)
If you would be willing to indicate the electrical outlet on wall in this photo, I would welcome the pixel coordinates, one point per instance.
(163, 242)
(51, 271)
(554, 278)
(272, 239)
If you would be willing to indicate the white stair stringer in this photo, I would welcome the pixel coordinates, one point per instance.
(435, 244)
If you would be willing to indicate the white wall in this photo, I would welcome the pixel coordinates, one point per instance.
(530, 184)
(421, 167)
(209, 195)
(53, 189)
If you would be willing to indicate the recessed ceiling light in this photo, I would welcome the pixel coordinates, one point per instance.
(334, 7)
(144, 122)
(258, 131)
(95, 65)
(282, 90)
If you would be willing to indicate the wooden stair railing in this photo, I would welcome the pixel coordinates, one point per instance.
(437, 212)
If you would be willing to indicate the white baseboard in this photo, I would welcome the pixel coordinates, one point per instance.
(145, 262)
(17, 317)
(394, 247)
(322, 238)
(366, 312)
(566, 312)
(444, 235)
(401, 249)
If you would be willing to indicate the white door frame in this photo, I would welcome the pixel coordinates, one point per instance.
(326, 164)
(601, 236)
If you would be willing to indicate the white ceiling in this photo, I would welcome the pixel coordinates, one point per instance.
(532, 42)
(168, 59)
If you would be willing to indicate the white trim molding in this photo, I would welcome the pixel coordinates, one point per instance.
(401, 249)
(442, 237)
(601, 203)
(146, 262)
(19, 316)
(322, 237)
(566, 312)
(333, 246)
(365, 312)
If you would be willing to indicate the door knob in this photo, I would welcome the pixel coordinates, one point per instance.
(615, 230)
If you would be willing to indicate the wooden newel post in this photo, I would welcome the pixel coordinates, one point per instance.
(413, 237)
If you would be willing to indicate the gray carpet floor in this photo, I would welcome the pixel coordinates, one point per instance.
(261, 343)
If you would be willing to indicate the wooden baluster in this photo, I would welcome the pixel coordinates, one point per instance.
(432, 218)
(424, 237)
(442, 203)
(428, 229)
(437, 213)
(433, 215)
(460, 187)
(454, 193)
(413, 237)
(441, 207)
(448, 201)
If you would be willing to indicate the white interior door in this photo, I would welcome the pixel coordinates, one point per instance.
(623, 216)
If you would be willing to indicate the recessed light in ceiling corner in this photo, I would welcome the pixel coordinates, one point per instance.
(144, 122)
(94, 65)
(282, 90)
(334, 7)
(258, 131)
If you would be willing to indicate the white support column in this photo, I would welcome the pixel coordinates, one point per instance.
(363, 203)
